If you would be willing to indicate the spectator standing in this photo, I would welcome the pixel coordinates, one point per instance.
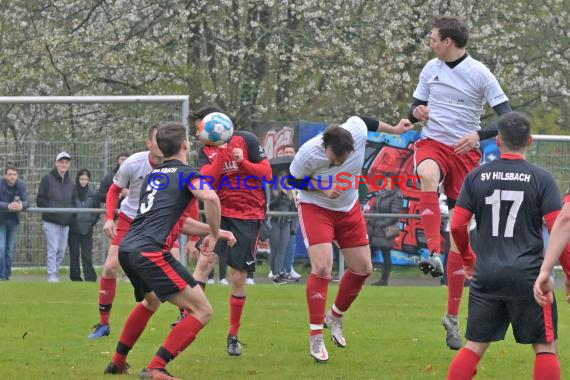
(281, 200)
(81, 229)
(56, 190)
(13, 199)
(383, 231)
(289, 150)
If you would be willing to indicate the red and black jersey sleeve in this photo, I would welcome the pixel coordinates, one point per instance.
(255, 149)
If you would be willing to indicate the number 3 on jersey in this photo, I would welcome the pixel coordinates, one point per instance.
(150, 199)
(495, 200)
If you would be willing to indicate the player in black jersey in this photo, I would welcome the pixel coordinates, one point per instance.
(509, 198)
(144, 253)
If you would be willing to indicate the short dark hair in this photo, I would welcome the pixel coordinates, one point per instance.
(151, 130)
(201, 112)
(170, 137)
(339, 139)
(123, 154)
(11, 167)
(452, 27)
(515, 129)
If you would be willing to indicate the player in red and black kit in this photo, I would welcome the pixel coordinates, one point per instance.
(509, 198)
(243, 210)
(145, 256)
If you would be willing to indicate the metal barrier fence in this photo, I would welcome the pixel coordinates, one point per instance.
(35, 159)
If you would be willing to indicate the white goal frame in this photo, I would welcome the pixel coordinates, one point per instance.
(184, 100)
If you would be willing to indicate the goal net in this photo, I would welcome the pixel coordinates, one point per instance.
(92, 129)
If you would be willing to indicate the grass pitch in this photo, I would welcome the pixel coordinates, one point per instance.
(392, 333)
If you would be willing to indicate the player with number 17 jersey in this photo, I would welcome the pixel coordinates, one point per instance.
(509, 197)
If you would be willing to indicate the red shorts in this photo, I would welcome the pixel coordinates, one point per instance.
(321, 225)
(123, 226)
(454, 167)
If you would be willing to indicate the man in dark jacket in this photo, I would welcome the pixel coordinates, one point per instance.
(107, 181)
(13, 199)
(383, 231)
(56, 190)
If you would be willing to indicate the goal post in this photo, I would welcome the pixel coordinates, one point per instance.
(104, 126)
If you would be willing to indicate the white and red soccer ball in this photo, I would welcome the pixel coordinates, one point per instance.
(215, 129)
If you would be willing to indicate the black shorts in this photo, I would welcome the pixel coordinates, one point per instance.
(157, 272)
(242, 255)
(489, 318)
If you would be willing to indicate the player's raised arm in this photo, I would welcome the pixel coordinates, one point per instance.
(374, 125)
(257, 164)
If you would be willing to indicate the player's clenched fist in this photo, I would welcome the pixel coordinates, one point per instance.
(421, 112)
(403, 126)
(237, 154)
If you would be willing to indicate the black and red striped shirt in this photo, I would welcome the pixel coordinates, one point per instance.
(163, 207)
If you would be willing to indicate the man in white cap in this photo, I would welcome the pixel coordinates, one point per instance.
(56, 190)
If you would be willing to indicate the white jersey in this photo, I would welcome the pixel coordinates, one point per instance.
(312, 161)
(131, 175)
(456, 97)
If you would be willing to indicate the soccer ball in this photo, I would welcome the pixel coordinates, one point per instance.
(215, 129)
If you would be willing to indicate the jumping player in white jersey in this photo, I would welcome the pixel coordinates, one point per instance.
(130, 175)
(449, 99)
(328, 213)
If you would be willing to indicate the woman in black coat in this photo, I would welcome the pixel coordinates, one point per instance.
(81, 229)
(383, 231)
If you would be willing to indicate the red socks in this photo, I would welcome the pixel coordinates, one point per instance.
(464, 366)
(455, 282)
(133, 329)
(348, 289)
(546, 366)
(236, 308)
(179, 338)
(107, 289)
(317, 291)
(431, 219)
